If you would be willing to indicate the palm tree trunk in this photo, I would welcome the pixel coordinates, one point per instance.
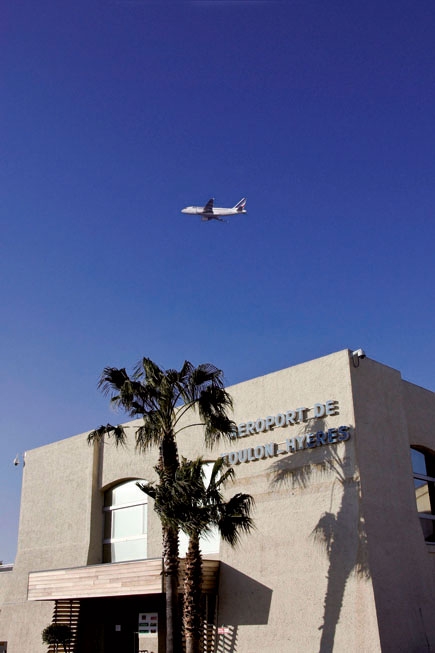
(192, 617)
(170, 570)
(166, 468)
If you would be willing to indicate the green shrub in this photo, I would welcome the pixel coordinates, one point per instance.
(57, 634)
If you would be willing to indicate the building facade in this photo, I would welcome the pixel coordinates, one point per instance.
(338, 455)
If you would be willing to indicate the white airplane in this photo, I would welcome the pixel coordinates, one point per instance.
(210, 212)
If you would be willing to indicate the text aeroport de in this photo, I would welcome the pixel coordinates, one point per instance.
(290, 445)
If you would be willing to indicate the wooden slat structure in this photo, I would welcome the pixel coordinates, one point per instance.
(210, 571)
(115, 579)
(66, 612)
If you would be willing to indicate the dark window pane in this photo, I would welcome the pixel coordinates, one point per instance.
(428, 527)
(418, 462)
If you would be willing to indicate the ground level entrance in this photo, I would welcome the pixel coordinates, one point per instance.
(122, 625)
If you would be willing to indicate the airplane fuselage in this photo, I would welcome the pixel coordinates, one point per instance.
(212, 212)
(199, 210)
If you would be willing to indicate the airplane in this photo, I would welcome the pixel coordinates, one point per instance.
(211, 212)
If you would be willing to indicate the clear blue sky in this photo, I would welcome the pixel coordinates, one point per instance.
(115, 114)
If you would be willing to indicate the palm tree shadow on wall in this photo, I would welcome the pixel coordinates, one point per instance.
(227, 642)
(340, 532)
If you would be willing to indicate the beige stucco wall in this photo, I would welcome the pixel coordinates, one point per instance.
(293, 593)
(61, 523)
(53, 533)
(5, 578)
(419, 405)
(337, 560)
(5, 575)
(400, 565)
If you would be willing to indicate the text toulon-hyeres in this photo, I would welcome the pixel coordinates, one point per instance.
(290, 445)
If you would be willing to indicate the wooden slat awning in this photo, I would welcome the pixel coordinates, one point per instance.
(210, 572)
(115, 579)
(139, 577)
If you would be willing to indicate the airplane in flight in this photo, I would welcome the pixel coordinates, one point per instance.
(211, 212)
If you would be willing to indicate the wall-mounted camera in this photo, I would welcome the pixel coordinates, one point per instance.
(358, 355)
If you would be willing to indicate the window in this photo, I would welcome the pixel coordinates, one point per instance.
(423, 467)
(125, 523)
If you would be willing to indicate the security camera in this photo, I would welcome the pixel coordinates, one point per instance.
(16, 460)
(357, 355)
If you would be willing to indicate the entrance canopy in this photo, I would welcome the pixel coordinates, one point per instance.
(116, 579)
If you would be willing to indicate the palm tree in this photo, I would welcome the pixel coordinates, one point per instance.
(197, 507)
(161, 398)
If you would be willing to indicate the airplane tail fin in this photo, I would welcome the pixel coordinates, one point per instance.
(240, 206)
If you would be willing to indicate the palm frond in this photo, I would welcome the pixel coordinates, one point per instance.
(149, 433)
(207, 374)
(235, 518)
(219, 426)
(213, 400)
(196, 507)
(186, 372)
(148, 372)
(194, 380)
(218, 480)
(112, 380)
(117, 432)
(148, 489)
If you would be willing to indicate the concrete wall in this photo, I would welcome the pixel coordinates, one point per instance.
(294, 583)
(400, 565)
(5, 575)
(61, 523)
(53, 533)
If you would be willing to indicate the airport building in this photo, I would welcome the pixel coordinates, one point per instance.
(339, 455)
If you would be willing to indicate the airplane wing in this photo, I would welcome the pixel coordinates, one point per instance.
(208, 208)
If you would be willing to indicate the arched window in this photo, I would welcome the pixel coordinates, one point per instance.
(125, 523)
(423, 467)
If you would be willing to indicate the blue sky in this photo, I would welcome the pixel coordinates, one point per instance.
(116, 114)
